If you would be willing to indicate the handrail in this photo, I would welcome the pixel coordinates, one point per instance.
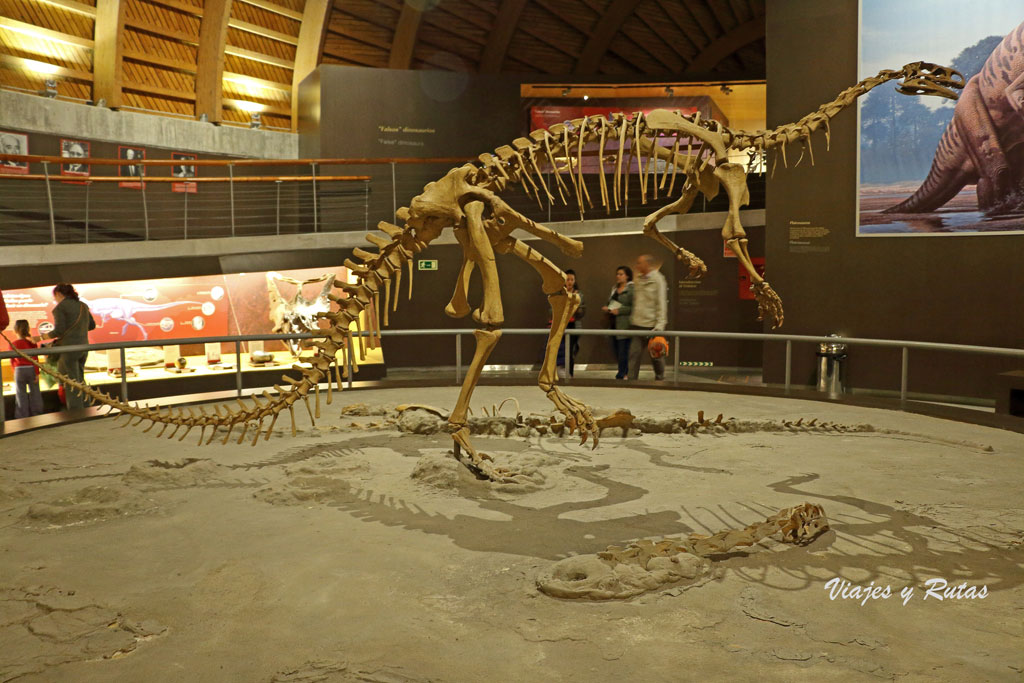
(99, 161)
(171, 179)
(749, 336)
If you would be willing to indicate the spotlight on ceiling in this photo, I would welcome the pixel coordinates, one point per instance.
(203, 118)
(586, 97)
(669, 92)
(566, 91)
(51, 88)
(725, 89)
(255, 120)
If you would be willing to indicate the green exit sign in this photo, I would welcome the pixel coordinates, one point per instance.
(427, 264)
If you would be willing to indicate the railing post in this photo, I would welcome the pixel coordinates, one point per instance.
(238, 368)
(394, 193)
(366, 204)
(3, 407)
(145, 209)
(124, 377)
(675, 364)
(903, 376)
(87, 185)
(789, 362)
(185, 235)
(278, 184)
(49, 201)
(231, 193)
(458, 358)
(315, 229)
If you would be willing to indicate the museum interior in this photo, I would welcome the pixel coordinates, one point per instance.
(540, 340)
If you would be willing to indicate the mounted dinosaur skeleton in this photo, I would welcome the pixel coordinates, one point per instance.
(467, 200)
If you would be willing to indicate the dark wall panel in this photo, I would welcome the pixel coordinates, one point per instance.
(967, 290)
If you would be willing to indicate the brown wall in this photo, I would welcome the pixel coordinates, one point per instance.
(967, 290)
(526, 306)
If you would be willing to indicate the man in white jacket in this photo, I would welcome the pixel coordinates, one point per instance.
(650, 312)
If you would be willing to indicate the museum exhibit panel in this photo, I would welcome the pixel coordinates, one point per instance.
(358, 280)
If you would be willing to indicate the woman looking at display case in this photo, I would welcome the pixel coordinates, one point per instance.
(72, 323)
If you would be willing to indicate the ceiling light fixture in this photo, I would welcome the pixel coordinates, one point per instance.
(51, 88)
(669, 92)
(566, 91)
(586, 97)
(255, 120)
(725, 89)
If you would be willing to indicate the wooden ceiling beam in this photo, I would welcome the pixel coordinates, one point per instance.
(72, 6)
(161, 32)
(178, 6)
(108, 52)
(213, 34)
(241, 105)
(658, 28)
(258, 57)
(607, 26)
(263, 32)
(505, 25)
(157, 60)
(242, 79)
(16, 63)
(404, 42)
(312, 34)
(165, 93)
(713, 54)
(44, 33)
(276, 9)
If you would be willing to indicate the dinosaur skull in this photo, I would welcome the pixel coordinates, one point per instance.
(924, 78)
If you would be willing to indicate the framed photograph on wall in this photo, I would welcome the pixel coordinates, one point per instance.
(184, 170)
(74, 150)
(13, 143)
(137, 171)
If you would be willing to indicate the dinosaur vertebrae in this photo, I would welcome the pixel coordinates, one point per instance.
(376, 271)
(798, 524)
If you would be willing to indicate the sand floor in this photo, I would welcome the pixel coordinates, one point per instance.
(323, 558)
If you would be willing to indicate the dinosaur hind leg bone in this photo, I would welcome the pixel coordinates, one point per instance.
(486, 340)
(734, 178)
(563, 305)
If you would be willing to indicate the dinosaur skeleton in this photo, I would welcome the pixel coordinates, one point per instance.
(467, 200)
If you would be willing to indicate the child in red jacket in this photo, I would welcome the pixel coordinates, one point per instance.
(28, 400)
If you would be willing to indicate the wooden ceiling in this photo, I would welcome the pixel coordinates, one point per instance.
(226, 58)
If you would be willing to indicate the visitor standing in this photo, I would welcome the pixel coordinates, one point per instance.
(27, 399)
(619, 308)
(72, 322)
(650, 312)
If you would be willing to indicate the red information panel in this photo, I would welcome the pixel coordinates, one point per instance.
(135, 311)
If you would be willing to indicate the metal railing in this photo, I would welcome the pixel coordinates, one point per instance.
(906, 346)
(49, 205)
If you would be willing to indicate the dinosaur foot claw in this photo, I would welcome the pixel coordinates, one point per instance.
(480, 464)
(696, 266)
(769, 305)
(577, 415)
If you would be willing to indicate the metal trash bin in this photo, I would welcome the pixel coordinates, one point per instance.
(832, 368)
